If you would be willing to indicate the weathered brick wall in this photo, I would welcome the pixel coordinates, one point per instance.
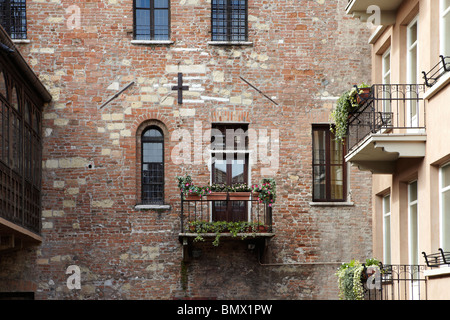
(303, 54)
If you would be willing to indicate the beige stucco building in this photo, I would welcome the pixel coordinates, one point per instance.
(401, 136)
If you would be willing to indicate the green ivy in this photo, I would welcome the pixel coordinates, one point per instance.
(350, 279)
(346, 104)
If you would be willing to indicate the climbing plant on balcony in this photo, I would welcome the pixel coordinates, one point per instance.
(347, 103)
(244, 228)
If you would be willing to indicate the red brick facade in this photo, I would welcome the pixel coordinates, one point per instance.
(300, 54)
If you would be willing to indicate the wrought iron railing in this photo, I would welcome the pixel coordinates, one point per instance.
(435, 260)
(389, 107)
(433, 76)
(397, 282)
(231, 208)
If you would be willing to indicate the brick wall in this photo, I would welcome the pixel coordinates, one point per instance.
(303, 54)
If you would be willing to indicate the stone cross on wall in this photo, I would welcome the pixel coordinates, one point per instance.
(180, 88)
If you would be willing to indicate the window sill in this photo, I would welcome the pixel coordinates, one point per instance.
(439, 272)
(331, 204)
(21, 41)
(438, 86)
(152, 207)
(152, 42)
(230, 43)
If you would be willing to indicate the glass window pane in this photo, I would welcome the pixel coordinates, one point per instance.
(446, 4)
(414, 239)
(237, 171)
(446, 37)
(143, 4)
(445, 171)
(152, 152)
(387, 240)
(161, 24)
(413, 192)
(319, 182)
(152, 133)
(220, 172)
(387, 229)
(161, 4)
(412, 34)
(336, 152)
(387, 205)
(319, 147)
(337, 182)
(445, 228)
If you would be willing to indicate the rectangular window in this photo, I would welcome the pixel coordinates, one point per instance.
(151, 19)
(387, 229)
(386, 66)
(444, 190)
(152, 166)
(412, 71)
(413, 223)
(13, 18)
(445, 28)
(329, 169)
(229, 20)
(230, 166)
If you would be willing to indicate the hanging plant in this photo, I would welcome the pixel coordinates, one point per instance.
(346, 104)
(350, 279)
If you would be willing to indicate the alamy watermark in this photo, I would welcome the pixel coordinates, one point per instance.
(74, 279)
(205, 146)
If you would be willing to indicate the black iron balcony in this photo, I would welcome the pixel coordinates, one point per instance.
(397, 282)
(245, 207)
(225, 215)
(389, 107)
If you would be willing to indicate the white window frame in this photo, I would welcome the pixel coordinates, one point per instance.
(413, 231)
(442, 190)
(386, 244)
(386, 74)
(444, 34)
(412, 119)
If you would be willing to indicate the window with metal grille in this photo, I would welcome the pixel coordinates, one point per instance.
(13, 18)
(152, 166)
(329, 169)
(151, 19)
(229, 20)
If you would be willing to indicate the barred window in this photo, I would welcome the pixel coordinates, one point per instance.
(229, 20)
(151, 19)
(13, 18)
(153, 166)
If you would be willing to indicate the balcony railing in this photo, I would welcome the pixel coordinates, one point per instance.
(436, 260)
(232, 207)
(389, 107)
(398, 282)
(433, 76)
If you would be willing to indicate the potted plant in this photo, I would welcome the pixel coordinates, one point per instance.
(266, 191)
(363, 95)
(188, 189)
(217, 192)
(240, 191)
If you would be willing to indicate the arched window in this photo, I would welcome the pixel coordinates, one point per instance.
(152, 172)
